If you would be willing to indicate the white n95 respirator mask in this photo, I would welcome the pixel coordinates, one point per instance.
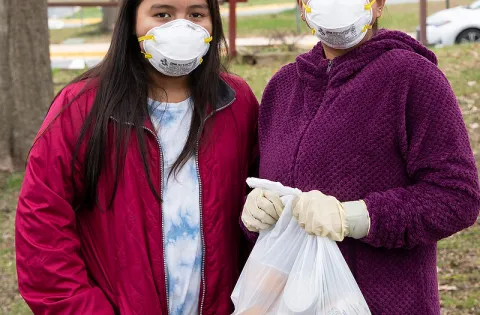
(176, 48)
(339, 24)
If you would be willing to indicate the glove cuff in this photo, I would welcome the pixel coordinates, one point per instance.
(358, 219)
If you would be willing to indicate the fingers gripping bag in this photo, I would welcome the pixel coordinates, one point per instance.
(290, 272)
(266, 272)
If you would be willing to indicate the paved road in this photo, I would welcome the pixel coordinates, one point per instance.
(56, 16)
(60, 12)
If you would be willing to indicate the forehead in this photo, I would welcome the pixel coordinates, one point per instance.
(178, 4)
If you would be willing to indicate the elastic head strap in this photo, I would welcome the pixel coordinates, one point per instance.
(369, 5)
(307, 8)
(366, 27)
(147, 56)
(146, 37)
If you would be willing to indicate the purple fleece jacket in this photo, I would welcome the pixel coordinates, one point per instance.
(382, 124)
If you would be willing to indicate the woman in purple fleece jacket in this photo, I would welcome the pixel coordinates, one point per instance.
(370, 129)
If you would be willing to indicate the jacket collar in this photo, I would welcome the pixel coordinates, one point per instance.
(315, 69)
(226, 96)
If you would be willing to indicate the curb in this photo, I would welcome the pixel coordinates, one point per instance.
(73, 54)
(86, 21)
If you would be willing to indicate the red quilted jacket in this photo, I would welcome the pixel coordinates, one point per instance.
(112, 262)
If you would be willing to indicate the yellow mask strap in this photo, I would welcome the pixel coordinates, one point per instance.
(369, 6)
(208, 40)
(307, 8)
(147, 56)
(366, 27)
(146, 37)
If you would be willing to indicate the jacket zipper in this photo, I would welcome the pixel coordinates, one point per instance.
(161, 214)
(330, 65)
(201, 204)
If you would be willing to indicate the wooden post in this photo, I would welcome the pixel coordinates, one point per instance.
(232, 29)
(423, 22)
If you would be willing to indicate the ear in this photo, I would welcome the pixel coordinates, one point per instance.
(302, 12)
(378, 8)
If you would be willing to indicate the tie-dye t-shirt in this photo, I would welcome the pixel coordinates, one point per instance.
(181, 208)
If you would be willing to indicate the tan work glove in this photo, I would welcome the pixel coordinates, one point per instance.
(323, 215)
(262, 210)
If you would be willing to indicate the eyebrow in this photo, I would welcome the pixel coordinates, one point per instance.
(170, 7)
(161, 6)
(199, 6)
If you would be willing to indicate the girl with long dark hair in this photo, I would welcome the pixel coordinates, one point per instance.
(135, 183)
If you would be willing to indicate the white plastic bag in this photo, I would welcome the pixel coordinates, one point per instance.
(290, 272)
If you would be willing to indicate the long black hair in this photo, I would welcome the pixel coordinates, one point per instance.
(122, 80)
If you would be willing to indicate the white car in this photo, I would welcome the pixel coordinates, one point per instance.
(454, 26)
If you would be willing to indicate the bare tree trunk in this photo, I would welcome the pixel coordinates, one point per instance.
(6, 98)
(109, 18)
(25, 76)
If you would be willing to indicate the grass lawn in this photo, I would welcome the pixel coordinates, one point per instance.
(267, 25)
(458, 256)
